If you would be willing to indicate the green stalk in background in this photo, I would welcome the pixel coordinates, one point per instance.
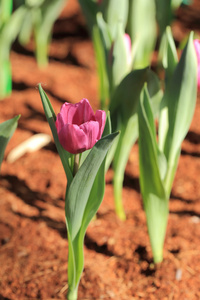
(120, 85)
(9, 29)
(5, 68)
(39, 18)
(165, 13)
(142, 28)
(159, 160)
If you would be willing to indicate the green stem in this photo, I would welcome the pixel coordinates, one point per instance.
(118, 185)
(41, 49)
(72, 294)
(76, 164)
(6, 79)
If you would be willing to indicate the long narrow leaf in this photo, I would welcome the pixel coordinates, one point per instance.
(153, 192)
(79, 190)
(179, 103)
(51, 118)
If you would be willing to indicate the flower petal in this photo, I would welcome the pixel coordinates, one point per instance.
(72, 138)
(68, 111)
(100, 117)
(197, 49)
(91, 130)
(84, 112)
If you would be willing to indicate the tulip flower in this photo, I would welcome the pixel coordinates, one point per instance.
(78, 127)
(197, 49)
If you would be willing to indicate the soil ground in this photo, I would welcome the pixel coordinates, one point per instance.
(118, 259)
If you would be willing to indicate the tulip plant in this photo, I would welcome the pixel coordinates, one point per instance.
(158, 157)
(39, 18)
(7, 129)
(77, 134)
(121, 61)
(9, 28)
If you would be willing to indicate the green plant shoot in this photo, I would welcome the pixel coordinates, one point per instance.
(158, 160)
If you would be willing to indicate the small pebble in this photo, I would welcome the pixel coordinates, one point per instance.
(178, 274)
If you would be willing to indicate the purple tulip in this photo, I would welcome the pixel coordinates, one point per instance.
(78, 127)
(197, 49)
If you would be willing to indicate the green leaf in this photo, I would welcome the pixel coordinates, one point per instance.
(6, 78)
(5, 11)
(153, 192)
(101, 58)
(79, 190)
(143, 30)
(129, 133)
(105, 32)
(51, 118)
(124, 101)
(155, 92)
(7, 129)
(10, 32)
(90, 10)
(83, 199)
(168, 53)
(120, 66)
(128, 136)
(26, 28)
(117, 13)
(178, 104)
(105, 41)
(164, 14)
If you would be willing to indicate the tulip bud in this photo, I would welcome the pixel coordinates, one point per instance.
(78, 127)
(197, 49)
(128, 46)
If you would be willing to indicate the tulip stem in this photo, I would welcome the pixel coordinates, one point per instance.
(76, 164)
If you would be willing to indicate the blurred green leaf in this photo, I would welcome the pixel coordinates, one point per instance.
(101, 57)
(125, 98)
(117, 13)
(5, 11)
(119, 58)
(168, 53)
(177, 107)
(142, 29)
(7, 129)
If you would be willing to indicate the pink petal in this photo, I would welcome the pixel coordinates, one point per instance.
(59, 122)
(84, 112)
(72, 138)
(91, 130)
(128, 46)
(100, 117)
(197, 49)
(67, 112)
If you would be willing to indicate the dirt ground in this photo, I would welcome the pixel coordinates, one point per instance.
(33, 238)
